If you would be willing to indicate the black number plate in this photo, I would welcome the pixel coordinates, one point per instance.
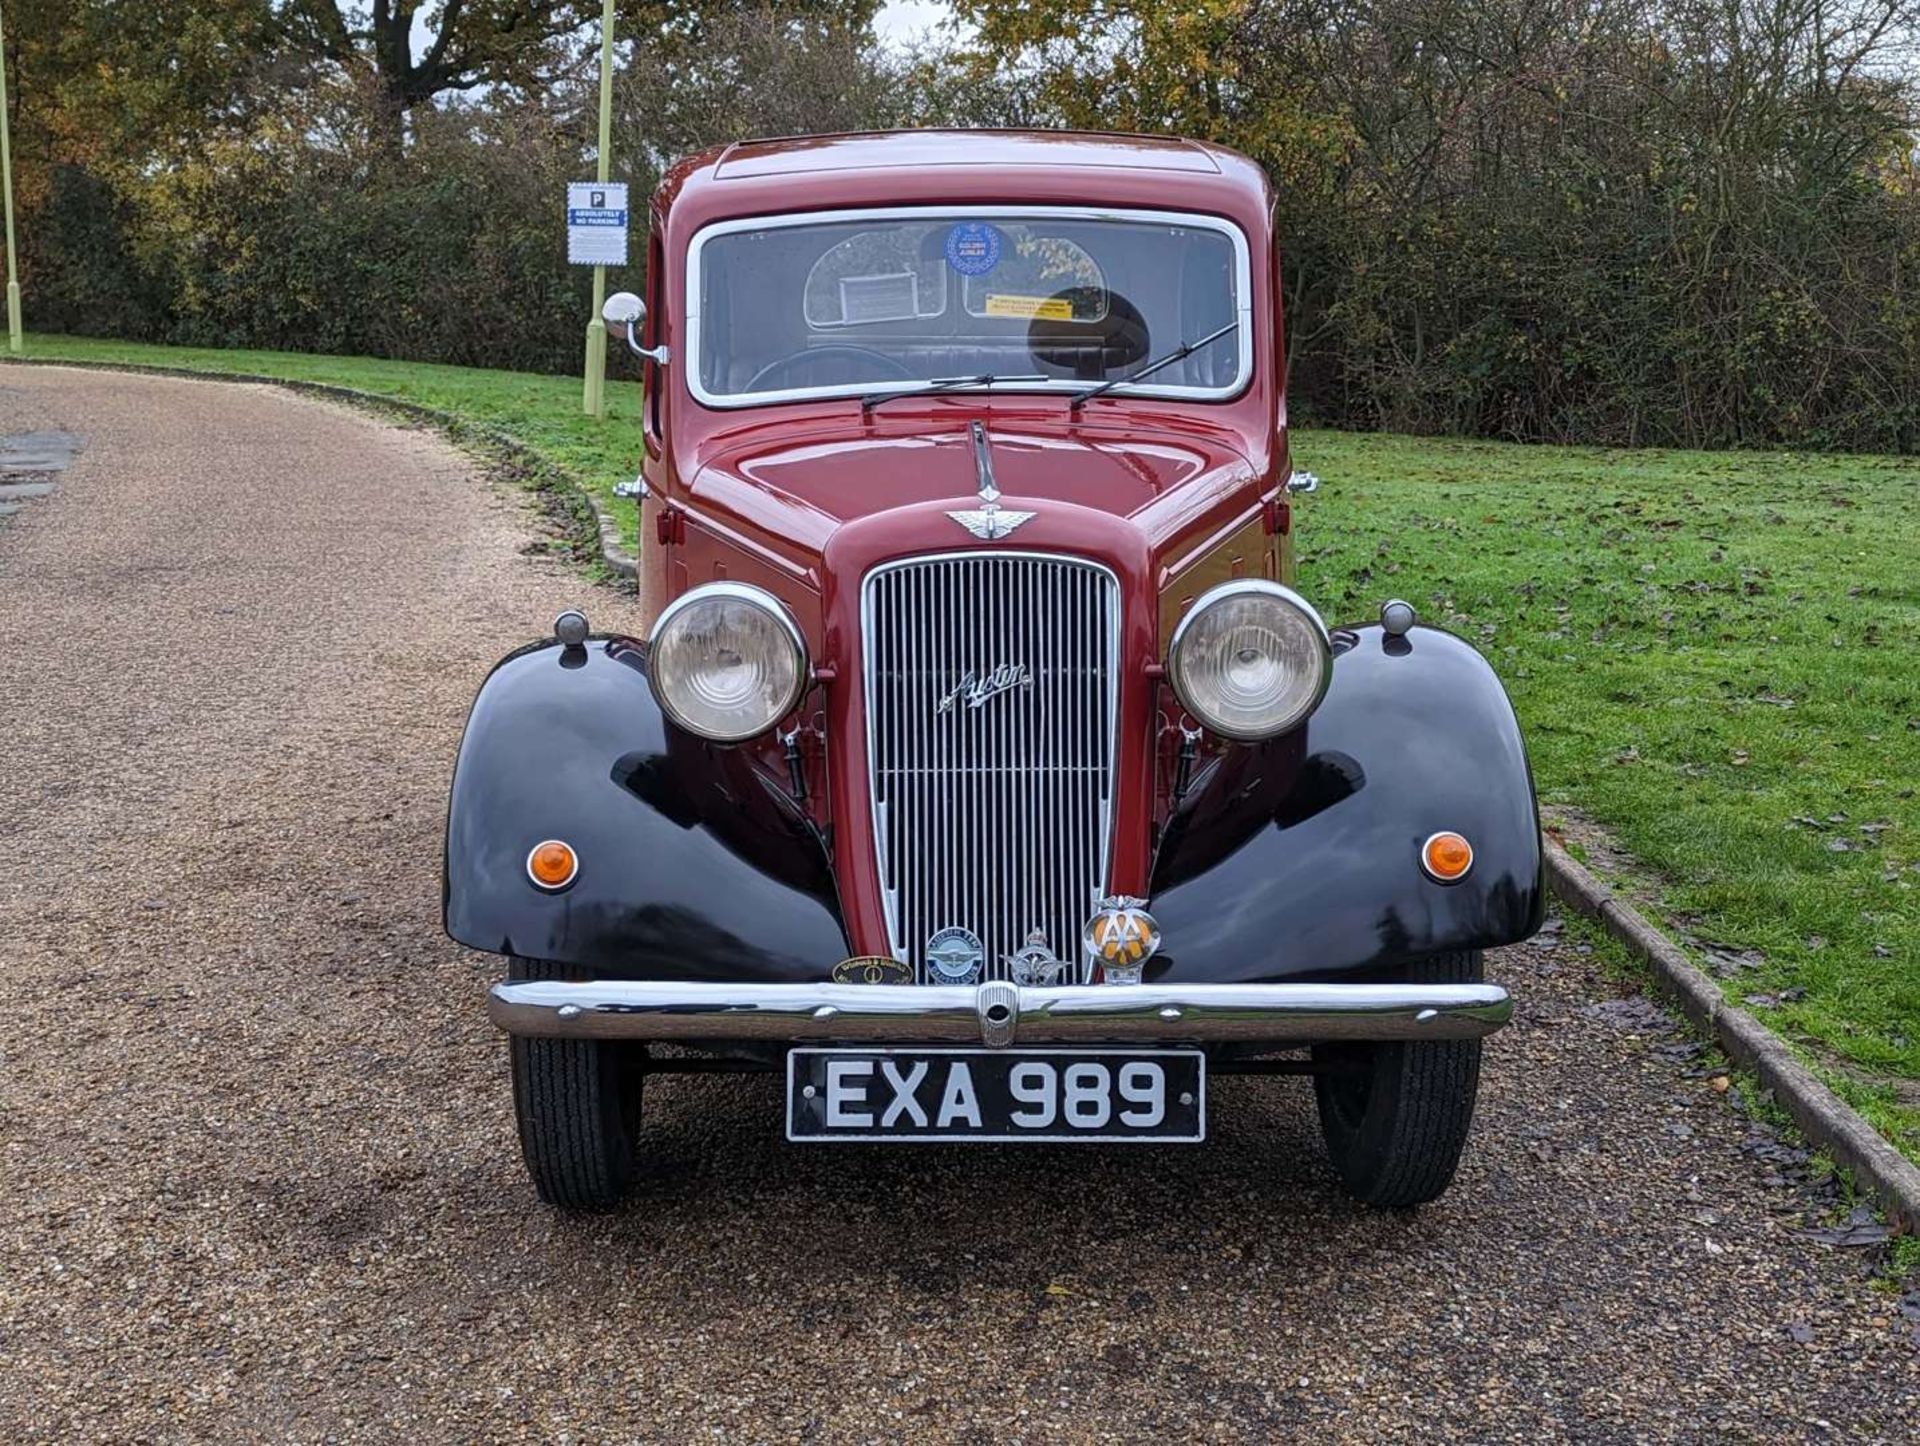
(1155, 1096)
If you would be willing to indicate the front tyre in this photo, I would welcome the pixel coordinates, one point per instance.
(1395, 1114)
(578, 1105)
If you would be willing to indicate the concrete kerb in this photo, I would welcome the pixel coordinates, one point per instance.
(613, 556)
(1829, 1121)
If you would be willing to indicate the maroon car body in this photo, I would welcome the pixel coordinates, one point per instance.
(713, 874)
(1173, 497)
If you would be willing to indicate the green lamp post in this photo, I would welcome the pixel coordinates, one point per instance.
(6, 183)
(596, 388)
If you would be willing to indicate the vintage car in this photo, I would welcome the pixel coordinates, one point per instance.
(972, 760)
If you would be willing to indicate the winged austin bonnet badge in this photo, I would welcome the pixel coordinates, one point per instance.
(989, 521)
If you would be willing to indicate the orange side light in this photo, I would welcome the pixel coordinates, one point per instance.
(1446, 857)
(553, 864)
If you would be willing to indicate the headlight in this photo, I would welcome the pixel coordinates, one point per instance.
(1250, 660)
(727, 661)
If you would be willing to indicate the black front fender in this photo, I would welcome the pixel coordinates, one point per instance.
(693, 865)
(1300, 858)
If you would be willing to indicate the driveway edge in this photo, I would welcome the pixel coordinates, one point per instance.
(1828, 1120)
(613, 556)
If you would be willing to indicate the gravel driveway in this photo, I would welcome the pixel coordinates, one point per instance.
(256, 1139)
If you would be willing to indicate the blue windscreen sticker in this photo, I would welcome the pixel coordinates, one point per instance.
(973, 248)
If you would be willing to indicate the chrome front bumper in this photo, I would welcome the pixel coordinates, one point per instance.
(998, 1014)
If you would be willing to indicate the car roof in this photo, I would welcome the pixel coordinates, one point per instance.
(936, 166)
(796, 155)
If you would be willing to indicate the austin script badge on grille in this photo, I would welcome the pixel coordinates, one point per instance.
(974, 689)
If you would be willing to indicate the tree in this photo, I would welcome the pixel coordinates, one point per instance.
(468, 43)
(1623, 220)
(1117, 64)
(522, 45)
(110, 83)
(759, 69)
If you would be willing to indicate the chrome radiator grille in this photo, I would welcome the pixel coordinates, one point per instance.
(991, 694)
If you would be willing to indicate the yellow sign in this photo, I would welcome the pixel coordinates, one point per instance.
(1051, 308)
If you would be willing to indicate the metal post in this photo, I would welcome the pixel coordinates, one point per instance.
(6, 183)
(596, 393)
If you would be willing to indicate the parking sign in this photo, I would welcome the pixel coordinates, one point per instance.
(597, 223)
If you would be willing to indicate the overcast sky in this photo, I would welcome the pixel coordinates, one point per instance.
(908, 20)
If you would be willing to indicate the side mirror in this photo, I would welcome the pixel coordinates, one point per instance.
(624, 313)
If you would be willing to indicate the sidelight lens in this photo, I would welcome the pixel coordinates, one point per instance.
(1446, 857)
(727, 661)
(552, 864)
(1250, 660)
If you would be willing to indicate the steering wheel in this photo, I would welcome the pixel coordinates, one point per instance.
(880, 366)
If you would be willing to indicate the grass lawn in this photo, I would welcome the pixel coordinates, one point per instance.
(1716, 657)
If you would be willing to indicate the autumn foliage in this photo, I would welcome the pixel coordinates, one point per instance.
(1619, 221)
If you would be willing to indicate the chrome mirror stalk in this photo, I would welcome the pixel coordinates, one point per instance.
(623, 312)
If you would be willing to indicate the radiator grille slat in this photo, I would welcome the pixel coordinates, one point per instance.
(994, 812)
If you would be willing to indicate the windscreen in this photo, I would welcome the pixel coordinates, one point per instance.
(795, 307)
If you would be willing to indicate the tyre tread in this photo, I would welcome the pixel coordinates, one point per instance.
(576, 1143)
(1408, 1145)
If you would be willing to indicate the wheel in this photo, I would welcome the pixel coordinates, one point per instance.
(1395, 1114)
(578, 1105)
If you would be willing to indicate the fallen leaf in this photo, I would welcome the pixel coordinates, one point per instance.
(1719, 1084)
(1728, 959)
(1635, 1013)
(1859, 1228)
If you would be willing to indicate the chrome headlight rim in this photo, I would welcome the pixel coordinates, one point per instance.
(738, 592)
(1244, 587)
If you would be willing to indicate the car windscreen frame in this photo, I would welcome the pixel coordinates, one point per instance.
(1193, 220)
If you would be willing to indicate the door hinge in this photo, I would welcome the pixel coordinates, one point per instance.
(671, 524)
(1276, 516)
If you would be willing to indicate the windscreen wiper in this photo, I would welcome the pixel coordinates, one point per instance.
(936, 385)
(1081, 398)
